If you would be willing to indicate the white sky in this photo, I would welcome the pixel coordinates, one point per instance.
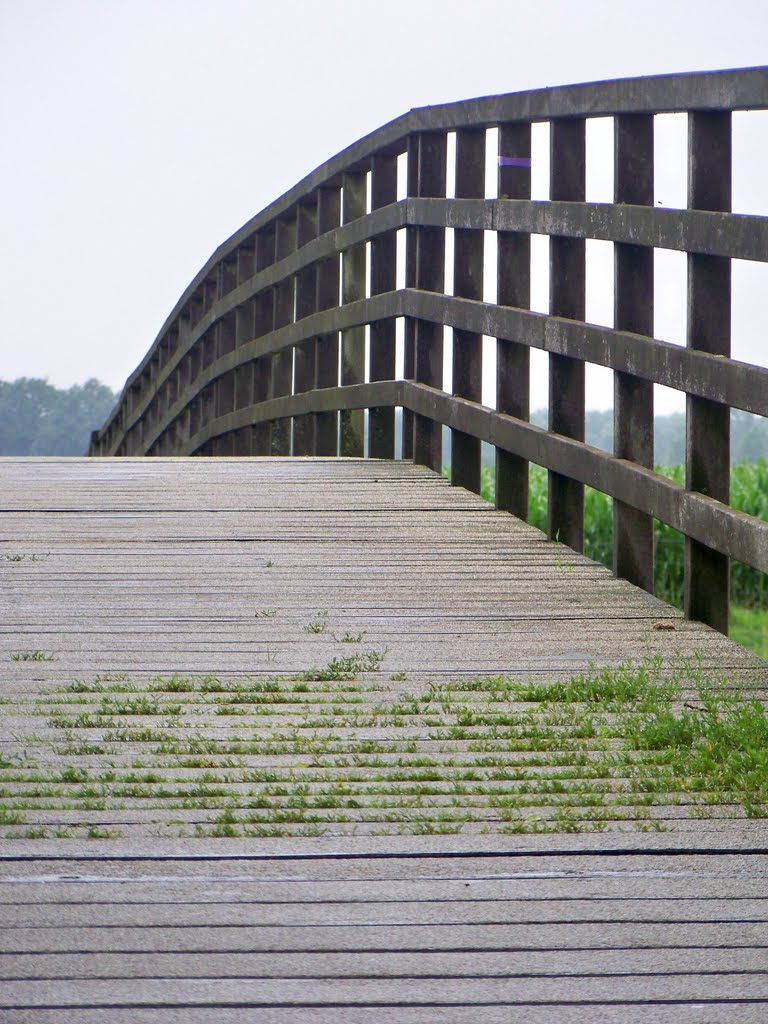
(138, 134)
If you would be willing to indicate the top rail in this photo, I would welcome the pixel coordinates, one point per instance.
(312, 313)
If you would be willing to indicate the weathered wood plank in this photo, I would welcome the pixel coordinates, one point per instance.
(366, 913)
(311, 992)
(616, 1013)
(469, 964)
(413, 938)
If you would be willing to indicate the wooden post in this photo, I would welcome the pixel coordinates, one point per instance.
(245, 261)
(708, 423)
(263, 320)
(513, 277)
(306, 352)
(468, 251)
(565, 510)
(327, 362)
(282, 362)
(354, 197)
(244, 321)
(429, 272)
(381, 421)
(633, 311)
(245, 317)
(409, 331)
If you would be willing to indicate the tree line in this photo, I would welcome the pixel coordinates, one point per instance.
(39, 419)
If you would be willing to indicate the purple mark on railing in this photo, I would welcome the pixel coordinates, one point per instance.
(514, 161)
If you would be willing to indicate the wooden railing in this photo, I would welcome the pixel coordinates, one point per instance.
(290, 331)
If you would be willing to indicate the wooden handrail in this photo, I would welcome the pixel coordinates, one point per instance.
(266, 351)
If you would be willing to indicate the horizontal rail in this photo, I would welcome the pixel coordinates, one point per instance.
(680, 229)
(726, 381)
(737, 236)
(711, 522)
(742, 89)
(293, 327)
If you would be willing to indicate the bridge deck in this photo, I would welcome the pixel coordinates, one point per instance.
(273, 750)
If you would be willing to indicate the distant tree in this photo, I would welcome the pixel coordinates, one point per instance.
(749, 437)
(39, 419)
(599, 429)
(669, 439)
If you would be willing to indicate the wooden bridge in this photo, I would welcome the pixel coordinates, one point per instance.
(325, 738)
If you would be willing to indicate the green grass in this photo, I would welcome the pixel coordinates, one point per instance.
(32, 656)
(318, 624)
(749, 627)
(327, 752)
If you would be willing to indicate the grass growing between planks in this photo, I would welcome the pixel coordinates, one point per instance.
(337, 750)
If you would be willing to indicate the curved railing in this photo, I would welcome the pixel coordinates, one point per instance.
(290, 331)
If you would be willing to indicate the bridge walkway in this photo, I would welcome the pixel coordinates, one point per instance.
(282, 742)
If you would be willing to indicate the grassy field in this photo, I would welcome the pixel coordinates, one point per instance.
(749, 626)
(749, 588)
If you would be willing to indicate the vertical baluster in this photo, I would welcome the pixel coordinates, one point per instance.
(468, 249)
(409, 333)
(224, 445)
(708, 423)
(223, 341)
(354, 196)
(242, 442)
(244, 332)
(381, 421)
(224, 335)
(468, 280)
(282, 362)
(565, 512)
(429, 276)
(244, 320)
(513, 276)
(306, 352)
(263, 320)
(327, 364)
(633, 311)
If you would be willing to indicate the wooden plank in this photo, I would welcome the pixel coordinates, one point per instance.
(412, 939)
(393, 965)
(617, 1013)
(311, 992)
(421, 991)
(427, 913)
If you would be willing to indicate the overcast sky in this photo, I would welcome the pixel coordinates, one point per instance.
(138, 134)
